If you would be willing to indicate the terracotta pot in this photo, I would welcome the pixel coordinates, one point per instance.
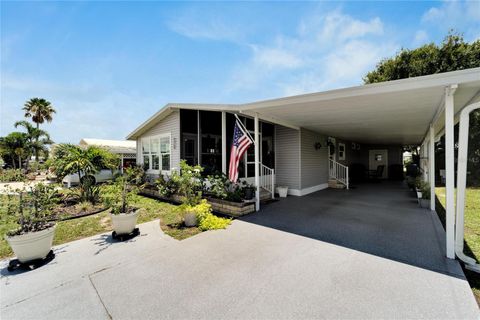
(32, 245)
(124, 223)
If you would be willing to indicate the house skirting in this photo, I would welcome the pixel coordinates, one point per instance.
(305, 191)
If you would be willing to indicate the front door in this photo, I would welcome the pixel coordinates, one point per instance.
(190, 148)
(378, 158)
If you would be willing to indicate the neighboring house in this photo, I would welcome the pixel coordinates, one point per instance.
(304, 141)
(126, 150)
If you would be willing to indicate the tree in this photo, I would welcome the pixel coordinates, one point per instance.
(40, 110)
(453, 54)
(72, 159)
(13, 148)
(37, 139)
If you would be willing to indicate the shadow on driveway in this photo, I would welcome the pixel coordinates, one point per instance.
(380, 219)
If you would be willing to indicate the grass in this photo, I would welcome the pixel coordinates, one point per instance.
(472, 231)
(75, 229)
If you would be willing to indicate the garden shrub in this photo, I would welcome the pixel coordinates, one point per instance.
(167, 186)
(425, 188)
(188, 183)
(87, 191)
(222, 188)
(207, 220)
(136, 175)
(212, 222)
(12, 175)
(32, 209)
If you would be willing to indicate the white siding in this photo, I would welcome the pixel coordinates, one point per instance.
(171, 125)
(287, 157)
(314, 163)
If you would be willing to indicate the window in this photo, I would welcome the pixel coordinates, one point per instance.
(165, 152)
(156, 153)
(341, 151)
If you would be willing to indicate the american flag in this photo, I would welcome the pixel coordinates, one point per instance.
(241, 142)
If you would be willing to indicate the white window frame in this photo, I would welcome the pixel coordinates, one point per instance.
(341, 154)
(159, 137)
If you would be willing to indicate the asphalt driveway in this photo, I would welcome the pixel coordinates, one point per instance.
(297, 258)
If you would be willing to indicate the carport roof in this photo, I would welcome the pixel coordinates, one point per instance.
(393, 112)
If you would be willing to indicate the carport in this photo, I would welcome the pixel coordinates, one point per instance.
(381, 219)
(415, 111)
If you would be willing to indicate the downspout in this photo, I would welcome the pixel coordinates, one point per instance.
(470, 263)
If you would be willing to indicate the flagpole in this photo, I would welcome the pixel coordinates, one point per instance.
(244, 128)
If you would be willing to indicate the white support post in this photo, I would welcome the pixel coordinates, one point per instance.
(450, 171)
(431, 170)
(470, 263)
(199, 140)
(224, 142)
(121, 165)
(257, 163)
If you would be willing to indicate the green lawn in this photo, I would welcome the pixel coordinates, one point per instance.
(88, 226)
(472, 231)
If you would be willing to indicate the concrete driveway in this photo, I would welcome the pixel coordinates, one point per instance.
(297, 258)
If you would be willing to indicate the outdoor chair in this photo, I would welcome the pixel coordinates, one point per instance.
(375, 175)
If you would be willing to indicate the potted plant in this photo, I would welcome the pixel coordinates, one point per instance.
(190, 218)
(282, 191)
(425, 198)
(32, 240)
(418, 187)
(249, 190)
(124, 217)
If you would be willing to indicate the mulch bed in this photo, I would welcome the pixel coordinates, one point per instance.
(68, 212)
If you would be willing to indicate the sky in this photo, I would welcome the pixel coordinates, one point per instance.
(108, 66)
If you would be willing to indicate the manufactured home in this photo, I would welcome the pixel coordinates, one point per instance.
(312, 141)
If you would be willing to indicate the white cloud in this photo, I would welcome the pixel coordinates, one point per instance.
(464, 16)
(200, 25)
(420, 38)
(275, 58)
(328, 51)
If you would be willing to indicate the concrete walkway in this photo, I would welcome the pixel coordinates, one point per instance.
(297, 258)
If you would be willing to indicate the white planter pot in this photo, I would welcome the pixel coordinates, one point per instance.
(282, 191)
(124, 223)
(425, 203)
(190, 219)
(32, 245)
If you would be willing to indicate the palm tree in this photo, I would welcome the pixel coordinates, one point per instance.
(72, 159)
(40, 110)
(37, 138)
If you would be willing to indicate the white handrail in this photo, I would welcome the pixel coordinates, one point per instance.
(267, 179)
(338, 172)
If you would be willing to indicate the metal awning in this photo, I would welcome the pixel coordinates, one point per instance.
(394, 112)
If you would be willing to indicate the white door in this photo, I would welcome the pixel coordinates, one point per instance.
(378, 158)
